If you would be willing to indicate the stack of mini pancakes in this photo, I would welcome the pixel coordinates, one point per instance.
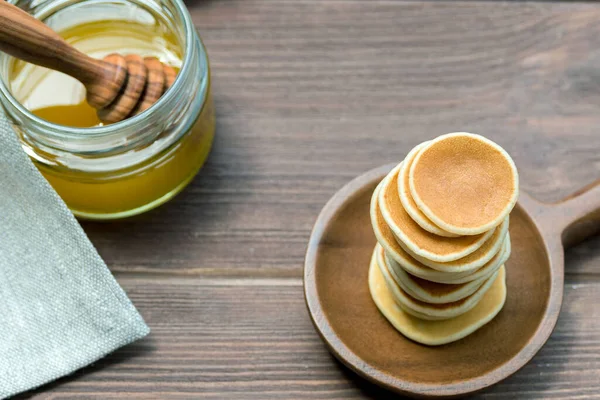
(441, 221)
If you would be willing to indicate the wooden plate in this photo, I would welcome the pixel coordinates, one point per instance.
(340, 305)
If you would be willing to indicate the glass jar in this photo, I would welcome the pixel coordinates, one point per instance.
(132, 166)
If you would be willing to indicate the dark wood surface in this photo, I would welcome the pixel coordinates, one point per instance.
(310, 94)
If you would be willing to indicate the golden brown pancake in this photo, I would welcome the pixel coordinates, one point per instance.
(417, 239)
(429, 311)
(434, 333)
(386, 238)
(407, 201)
(424, 272)
(427, 291)
(464, 183)
(475, 260)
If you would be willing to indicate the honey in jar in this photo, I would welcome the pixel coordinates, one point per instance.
(121, 169)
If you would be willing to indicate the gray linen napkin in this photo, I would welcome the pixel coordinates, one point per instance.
(60, 307)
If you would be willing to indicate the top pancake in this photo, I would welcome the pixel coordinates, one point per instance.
(464, 183)
(406, 198)
(386, 239)
(416, 239)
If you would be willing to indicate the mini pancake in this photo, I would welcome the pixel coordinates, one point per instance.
(407, 201)
(417, 239)
(435, 333)
(464, 183)
(428, 311)
(386, 239)
(421, 271)
(427, 291)
(473, 261)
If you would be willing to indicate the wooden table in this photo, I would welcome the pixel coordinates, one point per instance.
(310, 94)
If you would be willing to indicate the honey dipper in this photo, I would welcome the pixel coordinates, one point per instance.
(117, 86)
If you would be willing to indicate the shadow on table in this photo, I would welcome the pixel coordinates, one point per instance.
(197, 3)
(139, 349)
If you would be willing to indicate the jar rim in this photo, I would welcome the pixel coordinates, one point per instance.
(109, 130)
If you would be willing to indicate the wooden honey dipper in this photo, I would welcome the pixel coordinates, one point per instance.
(117, 86)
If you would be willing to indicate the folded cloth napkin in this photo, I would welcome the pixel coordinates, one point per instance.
(60, 307)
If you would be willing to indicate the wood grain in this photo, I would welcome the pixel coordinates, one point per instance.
(130, 94)
(252, 339)
(308, 95)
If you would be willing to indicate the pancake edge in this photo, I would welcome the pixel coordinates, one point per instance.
(503, 256)
(420, 339)
(474, 265)
(422, 313)
(416, 214)
(456, 229)
(409, 261)
(404, 239)
(468, 289)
